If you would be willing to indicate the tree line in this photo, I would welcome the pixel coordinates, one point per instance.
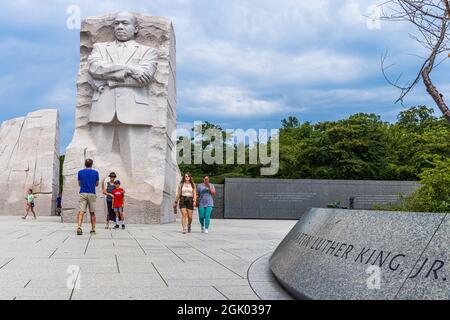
(361, 147)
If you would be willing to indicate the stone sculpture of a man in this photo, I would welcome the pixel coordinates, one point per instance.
(121, 73)
(126, 114)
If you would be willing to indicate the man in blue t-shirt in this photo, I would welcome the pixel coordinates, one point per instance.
(88, 180)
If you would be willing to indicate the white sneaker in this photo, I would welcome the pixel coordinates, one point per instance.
(206, 231)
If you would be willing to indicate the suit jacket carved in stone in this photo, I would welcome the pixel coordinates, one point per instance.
(115, 92)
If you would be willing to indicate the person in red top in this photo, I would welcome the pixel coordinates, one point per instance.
(118, 203)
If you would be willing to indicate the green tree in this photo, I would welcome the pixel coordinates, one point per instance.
(416, 117)
(416, 142)
(434, 195)
(347, 149)
(290, 122)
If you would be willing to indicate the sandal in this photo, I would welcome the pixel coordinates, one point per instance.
(79, 232)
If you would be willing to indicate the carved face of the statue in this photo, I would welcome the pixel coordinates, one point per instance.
(125, 27)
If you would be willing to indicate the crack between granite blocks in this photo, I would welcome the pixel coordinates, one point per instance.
(162, 278)
(27, 284)
(174, 253)
(117, 264)
(232, 253)
(36, 157)
(4, 265)
(75, 284)
(421, 255)
(15, 146)
(240, 276)
(145, 253)
(169, 249)
(2, 151)
(221, 293)
(87, 245)
(53, 253)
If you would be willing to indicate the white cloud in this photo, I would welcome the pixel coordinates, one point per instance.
(229, 102)
(226, 61)
(61, 95)
(371, 99)
(345, 96)
(184, 125)
(252, 59)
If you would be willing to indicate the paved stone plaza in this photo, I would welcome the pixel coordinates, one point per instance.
(142, 262)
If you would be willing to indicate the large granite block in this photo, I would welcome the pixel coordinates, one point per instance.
(124, 125)
(29, 159)
(430, 279)
(343, 254)
(218, 210)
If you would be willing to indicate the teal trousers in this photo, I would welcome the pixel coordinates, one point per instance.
(205, 216)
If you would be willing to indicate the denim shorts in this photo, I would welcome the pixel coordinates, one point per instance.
(187, 203)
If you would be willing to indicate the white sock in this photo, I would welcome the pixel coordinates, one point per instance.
(117, 220)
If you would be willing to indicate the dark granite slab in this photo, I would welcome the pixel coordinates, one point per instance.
(355, 254)
(289, 199)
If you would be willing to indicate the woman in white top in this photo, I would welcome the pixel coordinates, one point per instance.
(186, 199)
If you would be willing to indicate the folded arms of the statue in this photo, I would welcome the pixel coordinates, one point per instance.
(105, 73)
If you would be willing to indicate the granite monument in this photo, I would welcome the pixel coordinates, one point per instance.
(29, 159)
(126, 114)
(335, 254)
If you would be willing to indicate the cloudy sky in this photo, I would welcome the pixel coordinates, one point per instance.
(241, 64)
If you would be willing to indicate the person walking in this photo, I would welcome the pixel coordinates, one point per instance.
(206, 191)
(30, 205)
(186, 199)
(88, 180)
(108, 187)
